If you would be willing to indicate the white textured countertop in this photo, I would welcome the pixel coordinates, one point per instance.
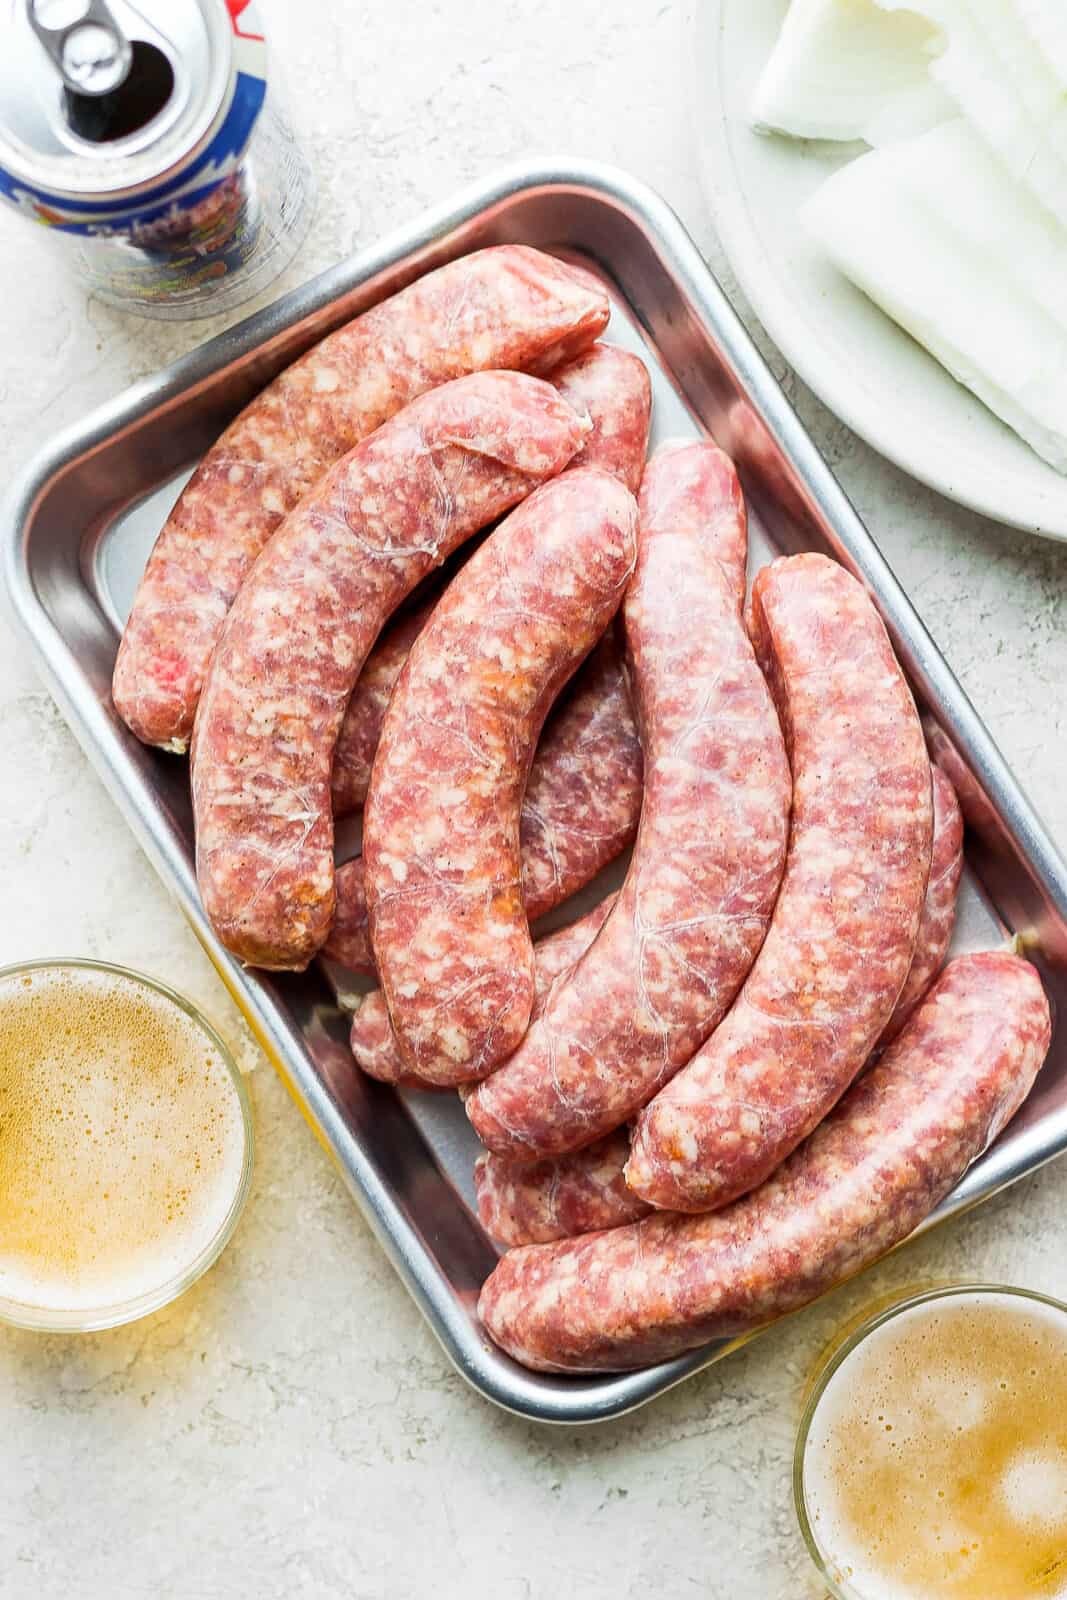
(290, 1428)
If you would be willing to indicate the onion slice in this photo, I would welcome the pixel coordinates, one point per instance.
(926, 229)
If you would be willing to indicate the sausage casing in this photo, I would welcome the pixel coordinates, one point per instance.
(441, 825)
(298, 634)
(579, 812)
(702, 881)
(505, 307)
(611, 388)
(537, 1202)
(939, 907)
(884, 1158)
(845, 926)
(374, 1043)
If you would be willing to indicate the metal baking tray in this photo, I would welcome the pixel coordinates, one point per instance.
(79, 524)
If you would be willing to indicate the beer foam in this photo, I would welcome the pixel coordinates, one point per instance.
(1034, 1486)
(936, 1461)
(122, 1140)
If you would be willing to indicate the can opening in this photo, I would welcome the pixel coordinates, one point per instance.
(141, 96)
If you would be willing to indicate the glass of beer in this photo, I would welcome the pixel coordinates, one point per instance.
(932, 1455)
(125, 1145)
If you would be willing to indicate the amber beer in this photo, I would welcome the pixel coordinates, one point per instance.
(124, 1145)
(933, 1461)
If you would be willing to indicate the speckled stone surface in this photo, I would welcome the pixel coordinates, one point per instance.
(290, 1428)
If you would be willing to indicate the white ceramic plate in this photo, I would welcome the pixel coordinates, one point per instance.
(856, 359)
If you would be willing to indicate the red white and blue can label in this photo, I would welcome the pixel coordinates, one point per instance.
(220, 220)
(178, 190)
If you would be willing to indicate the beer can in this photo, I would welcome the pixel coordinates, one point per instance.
(149, 144)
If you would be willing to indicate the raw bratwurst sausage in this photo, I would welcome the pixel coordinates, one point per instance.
(301, 627)
(583, 798)
(610, 387)
(580, 809)
(888, 1153)
(506, 307)
(521, 1204)
(362, 725)
(583, 801)
(845, 926)
(374, 1043)
(441, 824)
(939, 908)
(534, 1203)
(349, 940)
(710, 847)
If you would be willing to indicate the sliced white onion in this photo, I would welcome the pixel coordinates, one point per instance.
(951, 170)
(1045, 22)
(884, 222)
(1005, 86)
(845, 70)
(880, 70)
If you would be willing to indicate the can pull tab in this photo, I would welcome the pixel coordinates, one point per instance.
(85, 42)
